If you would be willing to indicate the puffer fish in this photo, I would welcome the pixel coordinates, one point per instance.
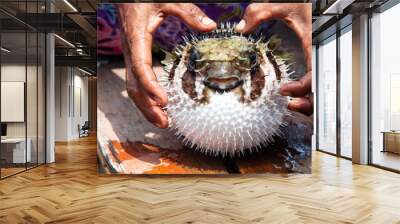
(223, 92)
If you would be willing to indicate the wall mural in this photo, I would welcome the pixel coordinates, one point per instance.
(204, 89)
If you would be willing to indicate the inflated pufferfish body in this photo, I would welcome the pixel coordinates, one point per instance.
(223, 92)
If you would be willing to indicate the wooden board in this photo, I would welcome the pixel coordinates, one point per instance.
(12, 101)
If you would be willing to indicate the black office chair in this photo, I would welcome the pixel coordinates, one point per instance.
(84, 130)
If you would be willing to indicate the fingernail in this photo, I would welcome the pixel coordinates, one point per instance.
(159, 125)
(295, 102)
(206, 21)
(241, 25)
(161, 122)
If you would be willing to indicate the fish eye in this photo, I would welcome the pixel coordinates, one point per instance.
(253, 57)
(194, 55)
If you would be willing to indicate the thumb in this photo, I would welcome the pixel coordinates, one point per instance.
(298, 88)
(191, 15)
(254, 15)
(302, 104)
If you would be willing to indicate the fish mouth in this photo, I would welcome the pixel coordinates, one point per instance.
(223, 84)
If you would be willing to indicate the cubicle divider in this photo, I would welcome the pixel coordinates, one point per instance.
(22, 92)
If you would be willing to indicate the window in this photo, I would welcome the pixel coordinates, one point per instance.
(385, 89)
(346, 92)
(327, 95)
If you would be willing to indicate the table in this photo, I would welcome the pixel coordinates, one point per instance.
(391, 141)
(13, 150)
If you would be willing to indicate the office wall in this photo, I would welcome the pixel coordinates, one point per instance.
(62, 81)
(81, 97)
(12, 98)
(16, 72)
(71, 102)
(33, 126)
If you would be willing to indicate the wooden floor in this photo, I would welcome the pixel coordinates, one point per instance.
(11, 170)
(70, 191)
(386, 159)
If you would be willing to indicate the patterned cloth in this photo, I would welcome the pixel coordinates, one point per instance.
(169, 33)
(108, 32)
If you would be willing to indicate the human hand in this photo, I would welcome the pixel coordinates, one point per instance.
(138, 23)
(298, 17)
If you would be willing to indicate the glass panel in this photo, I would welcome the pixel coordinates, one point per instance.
(385, 84)
(41, 98)
(327, 96)
(314, 78)
(346, 94)
(31, 100)
(32, 87)
(22, 87)
(10, 24)
(13, 87)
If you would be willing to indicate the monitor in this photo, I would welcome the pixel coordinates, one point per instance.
(3, 129)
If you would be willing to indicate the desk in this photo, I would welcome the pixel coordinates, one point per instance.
(391, 141)
(13, 150)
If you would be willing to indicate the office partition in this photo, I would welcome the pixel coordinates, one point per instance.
(22, 77)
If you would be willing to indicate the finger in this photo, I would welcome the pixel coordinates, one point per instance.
(141, 59)
(144, 102)
(297, 88)
(253, 16)
(302, 105)
(301, 23)
(149, 108)
(162, 118)
(305, 82)
(137, 38)
(192, 15)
